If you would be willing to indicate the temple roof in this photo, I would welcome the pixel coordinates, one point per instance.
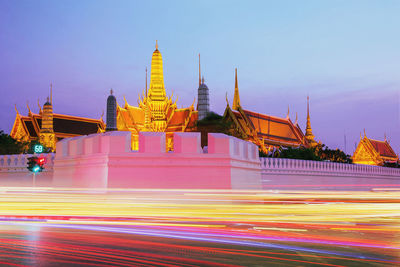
(271, 127)
(63, 125)
(383, 148)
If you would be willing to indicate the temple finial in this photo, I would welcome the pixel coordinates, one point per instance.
(385, 138)
(309, 135)
(16, 110)
(146, 81)
(236, 98)
(29, 110)
(202, 80)
(156, 45)
(288, 112)
(48, 99)
(199, 71)
(40, 108)
(51, 94)
(296, 120)
(111, 91)
(226, 97)
(364, 133)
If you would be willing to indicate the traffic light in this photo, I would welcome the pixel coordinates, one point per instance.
(36, 164)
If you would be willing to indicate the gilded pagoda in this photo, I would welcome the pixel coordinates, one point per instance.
(266, 131)
(156, 111)
(374, 152)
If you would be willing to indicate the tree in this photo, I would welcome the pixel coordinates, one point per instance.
(9, 145)
(334, 155)
(212, 123)
(299, 153)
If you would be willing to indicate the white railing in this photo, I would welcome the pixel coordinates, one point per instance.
(19, 162)
(293, 166)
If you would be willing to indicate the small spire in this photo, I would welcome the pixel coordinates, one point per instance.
(27, 104)
(202, 80)
(288, 112)
(236, 82)
(385, 138)
(111, 91)
(295, 123)
(146, 81)
(51, 94)
(48, 99)
(364, 133)
(236, 98)
(199, 71)
(40, 108)
(156, 45)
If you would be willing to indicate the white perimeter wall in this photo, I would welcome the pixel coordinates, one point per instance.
(306, 174)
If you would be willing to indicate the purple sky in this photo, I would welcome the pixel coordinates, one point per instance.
(344, 54)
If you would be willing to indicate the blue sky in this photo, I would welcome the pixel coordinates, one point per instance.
(344, 54)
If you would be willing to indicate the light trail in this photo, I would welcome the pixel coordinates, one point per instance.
(233, 227)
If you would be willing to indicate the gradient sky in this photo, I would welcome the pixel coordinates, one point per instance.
(344, 54)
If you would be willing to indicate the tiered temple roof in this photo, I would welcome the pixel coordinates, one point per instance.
(374, 152)
(27, 128)
(264, 130)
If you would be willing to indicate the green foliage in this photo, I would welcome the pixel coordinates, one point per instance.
(9, 145)
(391, 164)
(299, 153)
(320, 152)
(213, 123)
(334, 155)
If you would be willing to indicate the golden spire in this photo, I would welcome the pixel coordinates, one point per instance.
(199, 72)
(146, 82)
(309, 135)
(157, 90)
(236, 99)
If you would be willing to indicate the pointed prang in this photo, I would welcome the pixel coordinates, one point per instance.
(156, 45)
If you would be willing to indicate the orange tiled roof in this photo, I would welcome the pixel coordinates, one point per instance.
(383, 148)
(273, 128)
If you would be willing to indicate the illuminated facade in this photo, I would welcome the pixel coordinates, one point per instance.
(48, 127)
(374, 152)
(156, 111)
(264, 130)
